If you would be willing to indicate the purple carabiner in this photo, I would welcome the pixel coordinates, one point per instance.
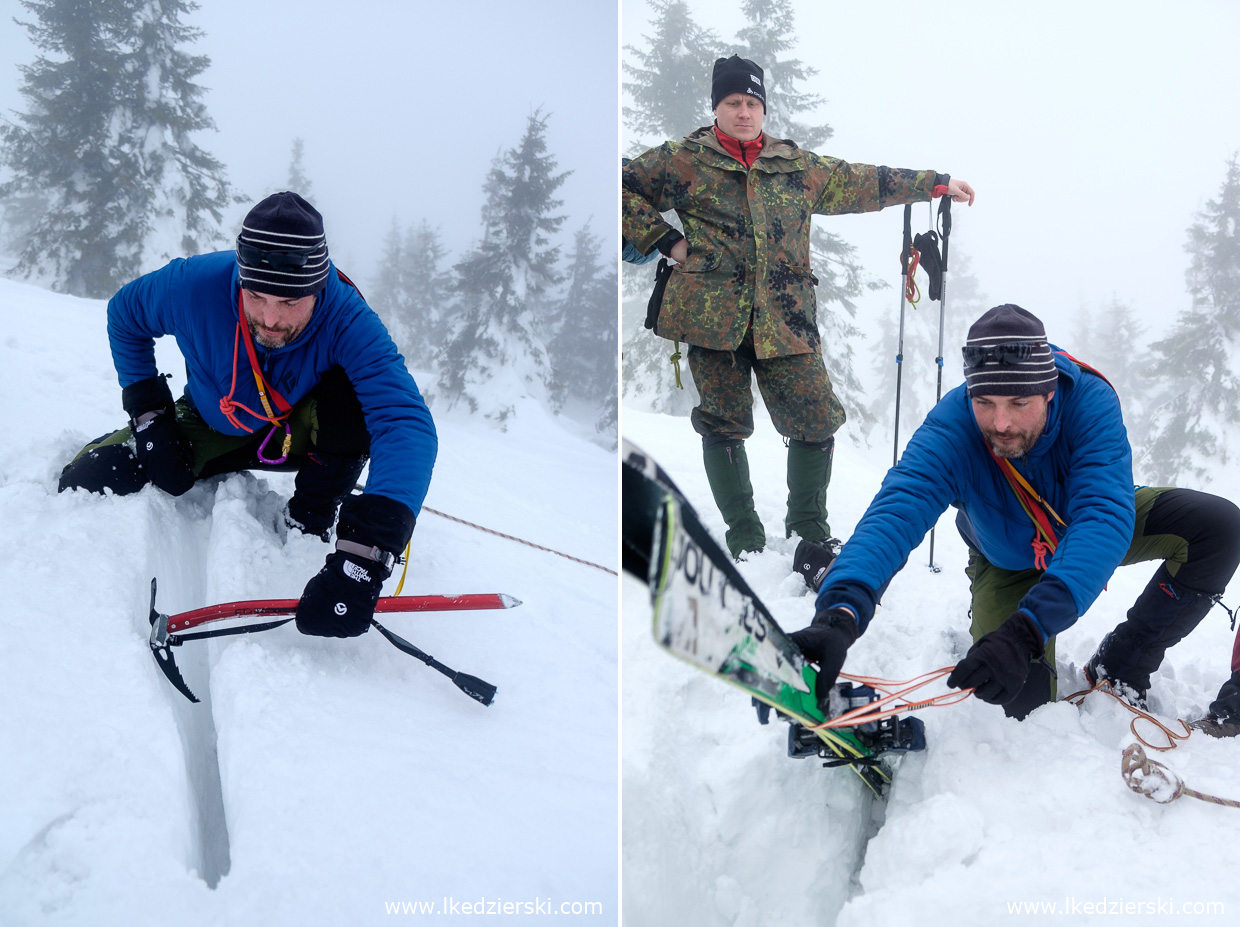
(288, 435)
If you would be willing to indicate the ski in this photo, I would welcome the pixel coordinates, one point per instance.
(228, 618)
(705, 614)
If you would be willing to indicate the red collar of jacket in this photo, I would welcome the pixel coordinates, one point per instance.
(745, 152)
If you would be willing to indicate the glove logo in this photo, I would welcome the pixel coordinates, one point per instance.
(150, 445)
(355, 572)
(340, 608)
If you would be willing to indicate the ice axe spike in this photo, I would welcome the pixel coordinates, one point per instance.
(161, 647)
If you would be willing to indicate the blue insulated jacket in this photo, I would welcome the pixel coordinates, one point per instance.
(1082, 466)
(195, 300)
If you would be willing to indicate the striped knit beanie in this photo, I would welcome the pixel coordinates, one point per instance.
(1007, 355)
(281, 249)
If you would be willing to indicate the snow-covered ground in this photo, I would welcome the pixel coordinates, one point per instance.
(721, 827)
(320, 780)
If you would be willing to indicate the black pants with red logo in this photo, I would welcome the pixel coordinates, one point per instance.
(1196, 536)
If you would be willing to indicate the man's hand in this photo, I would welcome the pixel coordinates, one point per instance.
(680, 251)
(998, 664)
(340, 599)
(960, 191)
(163, 452)
(826, 642)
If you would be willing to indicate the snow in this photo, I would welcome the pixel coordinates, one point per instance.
(722, 828)
(319, 779)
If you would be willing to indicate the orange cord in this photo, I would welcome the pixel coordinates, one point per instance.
(892, 690)
(1076, 698)
(911, 291)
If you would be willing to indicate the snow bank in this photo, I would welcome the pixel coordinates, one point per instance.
(319, 780)
(995, 814)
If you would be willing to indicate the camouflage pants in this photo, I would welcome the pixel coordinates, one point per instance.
(796, 389)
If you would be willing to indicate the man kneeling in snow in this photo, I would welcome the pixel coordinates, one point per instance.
(1033, 454)
(288, 369)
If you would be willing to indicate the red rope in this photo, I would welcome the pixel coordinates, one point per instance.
(911, 291)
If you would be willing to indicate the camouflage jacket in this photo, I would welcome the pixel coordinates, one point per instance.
(748, 234)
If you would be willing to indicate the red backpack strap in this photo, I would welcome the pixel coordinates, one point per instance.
(1088, 369)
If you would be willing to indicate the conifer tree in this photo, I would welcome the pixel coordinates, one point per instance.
(1111, 341)
(298, 182)
(388, 293)
(670, 79)
(495, 351)
(1197, 403)
(583, 352)
(428, 289)
(771, 32)
(106, 142)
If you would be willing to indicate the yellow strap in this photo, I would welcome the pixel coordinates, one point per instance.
(405, 569)
(676, 366)
(262, 396)
(1029, 489)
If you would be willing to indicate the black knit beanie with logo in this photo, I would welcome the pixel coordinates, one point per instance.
(1000, 372)
(736, 75)
(281, 249)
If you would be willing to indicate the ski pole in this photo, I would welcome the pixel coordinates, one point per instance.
(945, 230)
(904, 258)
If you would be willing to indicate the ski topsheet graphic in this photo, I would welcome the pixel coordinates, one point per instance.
(707, 615)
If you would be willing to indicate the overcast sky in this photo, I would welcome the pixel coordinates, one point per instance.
(1092, 131)
(402, 105)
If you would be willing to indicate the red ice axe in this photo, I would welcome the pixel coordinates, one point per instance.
(168, 631)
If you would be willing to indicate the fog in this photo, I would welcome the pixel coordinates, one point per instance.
(401, 106)
(1092, 132)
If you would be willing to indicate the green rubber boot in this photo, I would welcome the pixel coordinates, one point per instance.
(809, 472)
(727, 470)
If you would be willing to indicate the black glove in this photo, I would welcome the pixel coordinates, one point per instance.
(340, 599)
(163, 452)
(826, 642)
(998, 664)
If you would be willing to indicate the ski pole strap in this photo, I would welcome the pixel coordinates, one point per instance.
(1035, 507)
(908, 238)
(1155, 781)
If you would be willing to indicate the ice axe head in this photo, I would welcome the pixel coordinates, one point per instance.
(161, 647)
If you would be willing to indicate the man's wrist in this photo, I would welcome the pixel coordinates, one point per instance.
(666, 243)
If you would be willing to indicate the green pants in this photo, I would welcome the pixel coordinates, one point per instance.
(215, 451)
(997, 593)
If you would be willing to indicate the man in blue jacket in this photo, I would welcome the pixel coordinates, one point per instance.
(1033, 454)
(287, 369)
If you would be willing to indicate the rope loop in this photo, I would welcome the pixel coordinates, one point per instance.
(1104, 686)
